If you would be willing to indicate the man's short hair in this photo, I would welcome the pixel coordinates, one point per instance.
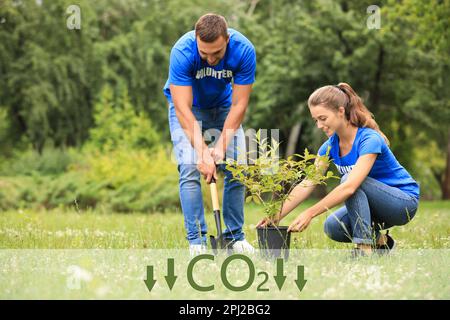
(210, 27)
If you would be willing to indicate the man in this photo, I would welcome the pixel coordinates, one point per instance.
(211, 73)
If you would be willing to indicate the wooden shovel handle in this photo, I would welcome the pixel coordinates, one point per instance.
(214, 195)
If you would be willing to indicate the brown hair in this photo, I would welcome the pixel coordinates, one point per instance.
(211, 26)
(343, 95)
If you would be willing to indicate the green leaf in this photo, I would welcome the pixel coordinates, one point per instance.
(256, 200)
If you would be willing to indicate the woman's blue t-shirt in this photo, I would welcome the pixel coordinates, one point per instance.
(386, 168)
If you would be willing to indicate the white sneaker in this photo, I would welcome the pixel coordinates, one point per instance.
(243, 246)
(196, 249)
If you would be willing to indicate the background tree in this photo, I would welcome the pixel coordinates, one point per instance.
(51, 77)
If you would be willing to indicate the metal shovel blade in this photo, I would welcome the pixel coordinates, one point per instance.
(213, 242)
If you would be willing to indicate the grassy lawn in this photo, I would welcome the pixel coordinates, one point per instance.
(62, 229)
(419, 270)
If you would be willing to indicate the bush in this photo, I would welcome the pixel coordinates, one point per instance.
(122, 167)
(122, 180)
(9, 193)
(135, 180)
(51, 162)
(118, 125)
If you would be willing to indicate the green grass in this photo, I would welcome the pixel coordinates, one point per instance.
(63, 229)
(119, 274)
(418, 271)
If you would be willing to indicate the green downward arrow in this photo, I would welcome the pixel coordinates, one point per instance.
(150, 282)
(300, 281)
(171, 277)
(280, 278)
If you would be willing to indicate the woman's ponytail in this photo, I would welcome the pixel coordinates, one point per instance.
(357, 113)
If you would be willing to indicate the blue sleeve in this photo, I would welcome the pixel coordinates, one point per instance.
(323, 149)
(246, 73)
(180, 69)
(370, 143)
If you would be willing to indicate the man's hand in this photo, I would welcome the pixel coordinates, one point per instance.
(300, 223)
(217, 154)
(207, 166)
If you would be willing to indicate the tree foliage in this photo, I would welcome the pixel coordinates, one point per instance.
(52, 78)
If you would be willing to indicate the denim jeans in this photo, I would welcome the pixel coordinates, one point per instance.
(373, 207)
(211, 122)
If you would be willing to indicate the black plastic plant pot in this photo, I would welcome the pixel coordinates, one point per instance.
(274, 242)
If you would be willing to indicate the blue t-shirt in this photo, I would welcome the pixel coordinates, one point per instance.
(211, 85)
(386, 168)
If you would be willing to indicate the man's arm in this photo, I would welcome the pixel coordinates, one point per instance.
(182, 99)
(239, 103)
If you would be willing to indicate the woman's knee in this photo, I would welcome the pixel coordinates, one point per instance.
(336, 230)
(407, 216)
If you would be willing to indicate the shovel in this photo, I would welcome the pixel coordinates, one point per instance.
(218, 242)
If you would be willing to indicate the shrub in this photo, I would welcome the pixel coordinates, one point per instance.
(123, 180)
(118, 125)
(51, 162)
(270, 180)
(135, 180)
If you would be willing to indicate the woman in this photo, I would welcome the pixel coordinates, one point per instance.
(378, 192)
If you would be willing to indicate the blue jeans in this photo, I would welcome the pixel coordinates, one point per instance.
(211, 122)
(373, 207)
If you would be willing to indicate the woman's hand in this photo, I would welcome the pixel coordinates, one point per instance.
(301, 222)
(266, 222)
